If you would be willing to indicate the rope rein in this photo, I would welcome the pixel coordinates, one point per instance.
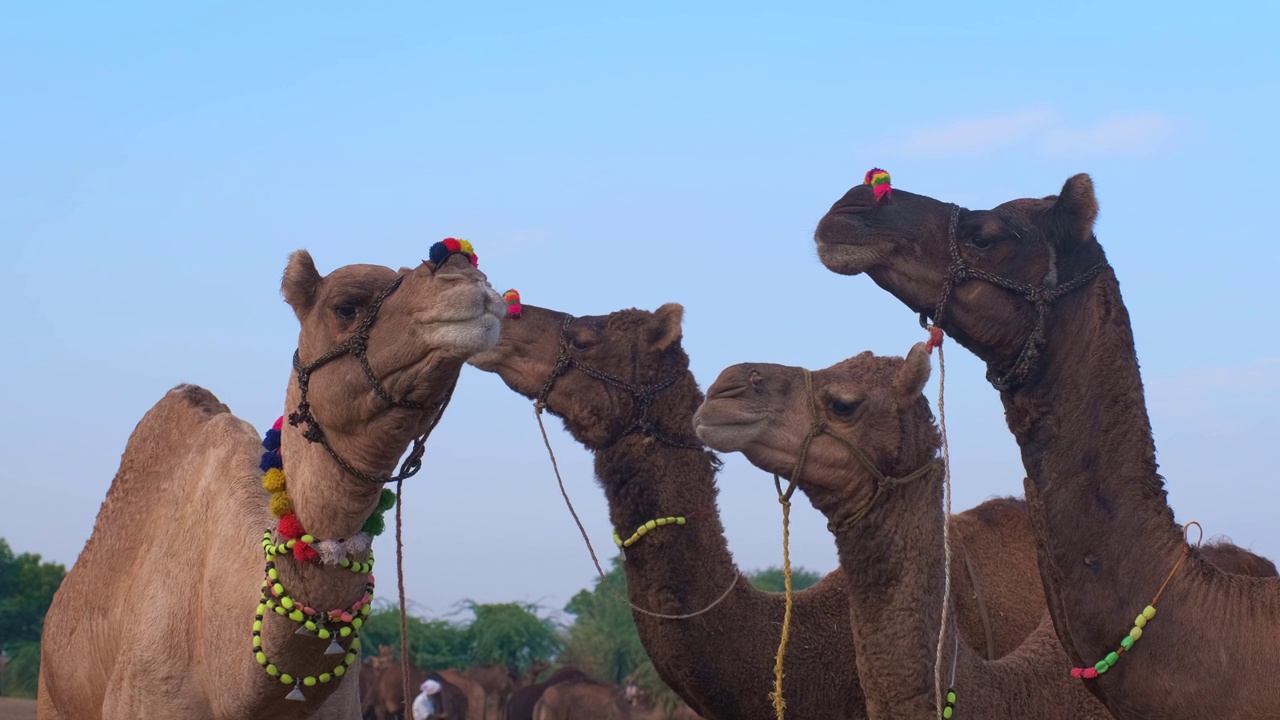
(939, 698)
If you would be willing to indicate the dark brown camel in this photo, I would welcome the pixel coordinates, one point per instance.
(451, 702)
(522, 702)
(889, 536)
(594, 700)
(1105, 533)
(471, 689)
(727, 675)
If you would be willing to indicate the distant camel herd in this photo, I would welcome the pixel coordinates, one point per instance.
(228, 574)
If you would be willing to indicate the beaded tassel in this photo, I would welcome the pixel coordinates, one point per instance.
(879, 181)
(950, 708)
(1126, 643)
(644, 529)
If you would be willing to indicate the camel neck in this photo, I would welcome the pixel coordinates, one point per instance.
(1106, 532)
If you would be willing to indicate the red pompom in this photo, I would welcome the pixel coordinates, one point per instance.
(290, 527)
(1089, 674)
(935, 339)
(452, 245)
(303, 552)
(278, 423)
(882, 192)
(475, 260)
(1076, 672)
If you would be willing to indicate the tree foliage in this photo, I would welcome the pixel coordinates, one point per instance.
(511, 635)
(772, 580)
(26, 590)
(603, 640)
(433, 644)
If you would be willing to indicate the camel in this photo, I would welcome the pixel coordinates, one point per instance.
(522, 702)
(664, 471)
(157, 617)
(452, 702)
(496, 681)
(473, 691)
(1065, 365)
(888, 534)
(593, 700)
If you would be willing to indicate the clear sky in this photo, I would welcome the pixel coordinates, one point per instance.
(158, 162)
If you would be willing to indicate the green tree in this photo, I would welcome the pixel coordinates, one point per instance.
(433, 644)
(771, 579)
(26, 590)
(510, 634)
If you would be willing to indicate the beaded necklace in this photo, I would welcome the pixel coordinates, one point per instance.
(328, 625)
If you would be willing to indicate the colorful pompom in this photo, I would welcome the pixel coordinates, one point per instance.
(278, 423)
(375, 524)
(450, 246)
(290, 527)
(512, 299)
(879, 181)
(273, 481)
(280, 505)
(302, 552)
(271, 441)
(935, 339)
(386, 500)
(270, 460)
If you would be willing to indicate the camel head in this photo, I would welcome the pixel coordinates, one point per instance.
(583, 365)
(903, 241)
(874, 404)
(418, 327)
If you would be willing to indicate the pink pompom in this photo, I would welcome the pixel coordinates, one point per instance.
(278, 423)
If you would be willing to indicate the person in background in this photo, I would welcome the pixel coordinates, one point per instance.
(425, 706)
(632, 692)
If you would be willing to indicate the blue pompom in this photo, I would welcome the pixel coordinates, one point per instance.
(438, 253)
(271, 441)
(270, 460)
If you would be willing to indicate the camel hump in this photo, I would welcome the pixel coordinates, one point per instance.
(167, 429)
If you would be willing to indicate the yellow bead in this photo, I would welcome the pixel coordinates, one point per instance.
(278, 589)
(661, 521)
(355, 645)
(325, 677)
(257, 642)
(307, 539)
(671, 521)
(651, 525)
(1148, 612)
(338, 671)
(286, 678)
(261, 657)
(287, 602)
(679, 521)
(344, 631)
(946, 712)
(257, 625)
(351, 658)
(280, 610)
(309, 681)
(641, 530)
(322, 634)
(273, 574)
(356, 623)
(951, 697)
(272, 670)
(310, 625)
(1135, 633)
(1140, 621)
(296, 616)
(261, 608)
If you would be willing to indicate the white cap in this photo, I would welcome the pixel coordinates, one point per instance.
(430, 687)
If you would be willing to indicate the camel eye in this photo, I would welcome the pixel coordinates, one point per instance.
(346, 310)
(844, 408)
(981, 243)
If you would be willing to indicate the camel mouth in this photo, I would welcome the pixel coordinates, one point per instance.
(727, 431)
(463, 336)
(850, 258)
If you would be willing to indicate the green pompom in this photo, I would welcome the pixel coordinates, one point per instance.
(386, 501)
(375, 525)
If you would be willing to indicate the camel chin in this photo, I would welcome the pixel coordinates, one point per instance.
(463, 338)
(851, 259)
(728, 437)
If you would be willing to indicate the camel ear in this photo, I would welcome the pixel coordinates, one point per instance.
(666, 330)
(1074, 213)
(913, 373)
(300, 282)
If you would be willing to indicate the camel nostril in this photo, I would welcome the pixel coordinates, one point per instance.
(755, 378)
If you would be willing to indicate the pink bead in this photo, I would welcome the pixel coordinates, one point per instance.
(371, 579)
(1076, 672)
(1089, 674)
(346, 617)
(308, 611)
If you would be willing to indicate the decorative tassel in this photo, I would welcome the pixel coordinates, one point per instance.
(879, 181)
(512, 298)
(452, 246)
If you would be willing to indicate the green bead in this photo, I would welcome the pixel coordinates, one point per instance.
(356, 623)
(310, 625)
(350, 658)
(947, 712)
(272, 670)
(679, 521)
(261, 657)
(308, 539)
(1126, 642)
(660, 521)
(286, 678)
(338, 671)
(273, 574)
(287, 602)
(257, 626)
(344, 631)
(280, 610)
(325, 677)
(309, 681)
(278, 589)
(1102, 666)
(1112, 658)
(296, 616)
(951, 696)
(1149, 612)
(651, 525)
(257, 642)
(1135, 633)
(1140, 621)
(355, 645)
(323, 634)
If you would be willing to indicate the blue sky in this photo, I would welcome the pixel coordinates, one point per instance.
(158, 162)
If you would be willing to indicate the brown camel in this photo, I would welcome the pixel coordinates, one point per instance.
(594, 700)
(531, 675)
(664, 471)
(522, 702)
(889, 535)
(497, 682)
(154, 619)
(471, 689)
(451, 702)
(1073, 398)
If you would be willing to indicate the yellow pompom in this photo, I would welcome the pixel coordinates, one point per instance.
(466, 246)
(280, 505)
(273, 481)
